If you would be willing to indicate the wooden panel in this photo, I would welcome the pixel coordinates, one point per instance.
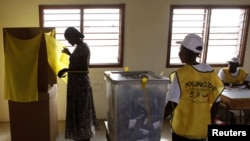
(35, 121)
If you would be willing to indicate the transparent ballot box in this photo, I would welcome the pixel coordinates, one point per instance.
(136, 102)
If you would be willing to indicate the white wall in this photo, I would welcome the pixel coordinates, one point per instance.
(146, 30)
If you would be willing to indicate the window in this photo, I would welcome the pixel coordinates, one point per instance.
(222, 28)
(102, 26)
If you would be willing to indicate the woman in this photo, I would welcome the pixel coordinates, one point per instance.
(193, 96)
(81, 121)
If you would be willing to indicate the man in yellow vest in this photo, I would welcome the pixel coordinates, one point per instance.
(234, 76)
(193, 97)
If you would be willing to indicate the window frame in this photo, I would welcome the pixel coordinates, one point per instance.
(204, 54)
(81, 7)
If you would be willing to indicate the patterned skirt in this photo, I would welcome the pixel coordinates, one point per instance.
(81, 121)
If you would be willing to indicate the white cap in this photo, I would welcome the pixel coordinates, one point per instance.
(234, 60)
(192, 41)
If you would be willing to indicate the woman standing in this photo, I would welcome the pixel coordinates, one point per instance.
(81, 121)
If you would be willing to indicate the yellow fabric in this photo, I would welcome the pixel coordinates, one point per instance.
(239, 79)
(199, 91)
(56, 58)
(21, 63)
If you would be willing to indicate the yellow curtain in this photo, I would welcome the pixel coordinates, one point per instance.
(56, 58)
(21, 63)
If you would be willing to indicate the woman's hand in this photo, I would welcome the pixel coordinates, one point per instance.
(66, 51)
(61, 73)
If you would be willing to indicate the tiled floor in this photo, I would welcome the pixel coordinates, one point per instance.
(100, 135)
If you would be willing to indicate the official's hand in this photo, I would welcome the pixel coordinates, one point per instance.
(61, 73)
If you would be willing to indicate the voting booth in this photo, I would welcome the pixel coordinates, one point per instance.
(33, 117)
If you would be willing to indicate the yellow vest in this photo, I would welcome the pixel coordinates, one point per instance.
(199, 90)
(239, 79)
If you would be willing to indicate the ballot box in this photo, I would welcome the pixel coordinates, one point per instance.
(136, 102)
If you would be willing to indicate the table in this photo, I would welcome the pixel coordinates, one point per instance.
(235, 99)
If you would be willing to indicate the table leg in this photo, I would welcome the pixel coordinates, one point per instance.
(226, 109)
(240, 116)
